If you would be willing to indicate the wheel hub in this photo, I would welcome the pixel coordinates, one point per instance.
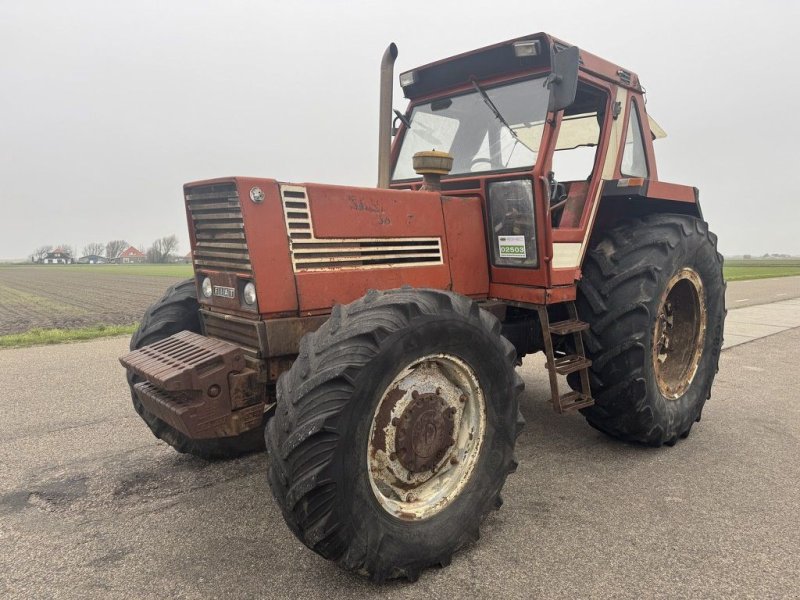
(424, 433)
(679, 333)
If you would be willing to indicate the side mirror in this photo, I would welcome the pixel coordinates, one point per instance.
(563, 81)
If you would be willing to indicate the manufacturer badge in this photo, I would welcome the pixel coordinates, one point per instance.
(224, 292)
(257, 195)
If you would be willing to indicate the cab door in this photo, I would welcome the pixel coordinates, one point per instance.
(515, 212)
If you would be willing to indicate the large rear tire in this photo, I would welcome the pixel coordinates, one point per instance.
(178, 311)
(370, 459)
(654, 295)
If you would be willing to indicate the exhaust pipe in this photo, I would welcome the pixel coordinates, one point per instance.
(385, 125)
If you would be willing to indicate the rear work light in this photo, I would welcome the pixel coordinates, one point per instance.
(408, 78)
(526, 48)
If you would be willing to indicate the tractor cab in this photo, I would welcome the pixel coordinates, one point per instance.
(534, 127)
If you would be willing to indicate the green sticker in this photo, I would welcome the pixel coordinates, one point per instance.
(512, 246)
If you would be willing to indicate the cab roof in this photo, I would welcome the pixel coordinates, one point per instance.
(501, 59)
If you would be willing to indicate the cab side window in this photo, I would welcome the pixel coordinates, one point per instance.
(634, 160)
(575, 155)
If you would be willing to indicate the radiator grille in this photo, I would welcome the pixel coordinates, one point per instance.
(311, 254)
(244, 333)
(218, 228)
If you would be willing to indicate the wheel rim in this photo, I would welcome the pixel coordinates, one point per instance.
(426, 436)
(679, 333)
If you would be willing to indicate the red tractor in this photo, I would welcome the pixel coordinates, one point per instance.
(374, 333)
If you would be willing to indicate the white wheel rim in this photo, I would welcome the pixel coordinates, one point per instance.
(418, 463)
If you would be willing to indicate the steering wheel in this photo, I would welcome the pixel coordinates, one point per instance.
(476, 161)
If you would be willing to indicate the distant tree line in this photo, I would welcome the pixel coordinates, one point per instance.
(162, 250)
(768, 255)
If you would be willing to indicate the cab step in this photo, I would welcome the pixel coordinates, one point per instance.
(571, 363)
(569, 326)
(572, 401)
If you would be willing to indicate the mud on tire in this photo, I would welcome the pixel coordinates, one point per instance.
(178, 311)
(625, 277)
(317, 440)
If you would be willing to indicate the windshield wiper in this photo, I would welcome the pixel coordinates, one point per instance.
(497, 114)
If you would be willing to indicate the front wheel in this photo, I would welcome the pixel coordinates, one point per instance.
(394, 431)
(654, 295)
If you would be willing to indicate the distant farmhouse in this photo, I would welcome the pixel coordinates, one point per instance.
(130, 255)
(57, 257)
(92, 259)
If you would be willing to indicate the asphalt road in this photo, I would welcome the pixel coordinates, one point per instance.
(92, 505)
(761, 291)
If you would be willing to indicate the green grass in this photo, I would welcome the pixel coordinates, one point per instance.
(171, 270)
(760, 268)
(38, 337)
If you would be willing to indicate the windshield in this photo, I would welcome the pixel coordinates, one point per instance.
(469, 128)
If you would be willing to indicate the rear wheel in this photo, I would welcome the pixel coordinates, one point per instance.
(178, 310)
(394, 431)
(654, 296)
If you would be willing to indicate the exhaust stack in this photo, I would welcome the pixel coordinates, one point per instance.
(385, 125)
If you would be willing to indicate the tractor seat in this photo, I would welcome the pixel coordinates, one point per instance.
(573, 207)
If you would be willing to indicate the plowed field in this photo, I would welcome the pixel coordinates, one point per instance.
(70, 296)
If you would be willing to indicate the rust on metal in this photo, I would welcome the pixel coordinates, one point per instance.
(184, 361)
(679, 333)
(425, 432)
(572, 363)
(198, 385)
(244, 388)
(283, 335)
(419, 425)
(383, 417)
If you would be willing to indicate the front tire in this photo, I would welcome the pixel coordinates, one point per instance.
(654, 295)
(176, 311)
(376, 391)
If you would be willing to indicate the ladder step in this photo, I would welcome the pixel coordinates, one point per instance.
(572, 401)
(568, 326)
(571, 363)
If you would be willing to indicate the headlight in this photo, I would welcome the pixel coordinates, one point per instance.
(250, 293)
(207, 288)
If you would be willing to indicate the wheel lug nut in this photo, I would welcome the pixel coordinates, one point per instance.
(463, 398)
(395, 421)
(454, 461)
(438, 391)
(415, 394)
(393, 456)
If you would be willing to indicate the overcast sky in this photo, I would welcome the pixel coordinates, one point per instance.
(107, 108)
